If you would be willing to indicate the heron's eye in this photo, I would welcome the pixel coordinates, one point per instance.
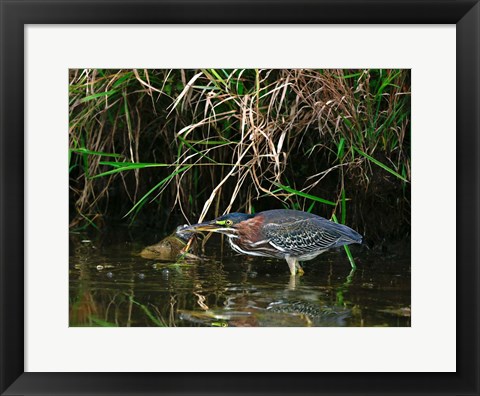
(228, 223)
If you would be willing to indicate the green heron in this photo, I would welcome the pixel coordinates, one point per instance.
(286, 234)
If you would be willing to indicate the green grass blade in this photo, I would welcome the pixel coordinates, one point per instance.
(304, 195)
(130, 166)
(383, 166)
(217, 76)
(85, 151)
(143, 200)
(195, 150)
(122, 79)
(89, 221)
(347, 249)
(350, 257)
(111, 163)
(97, 95)
(341, 148)
(148, 313)
(349, 75)
(310, 208)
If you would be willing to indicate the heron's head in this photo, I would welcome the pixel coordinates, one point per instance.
(228, 224)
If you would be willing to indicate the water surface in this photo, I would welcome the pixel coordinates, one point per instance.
(111, 285)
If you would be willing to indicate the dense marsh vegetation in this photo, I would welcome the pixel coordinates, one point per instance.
(163, 147)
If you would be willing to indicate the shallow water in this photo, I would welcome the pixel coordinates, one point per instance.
(111, 285)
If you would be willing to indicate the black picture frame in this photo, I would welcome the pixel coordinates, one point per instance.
(16, 14)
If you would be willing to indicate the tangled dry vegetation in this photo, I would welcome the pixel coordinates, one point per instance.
(148, 143)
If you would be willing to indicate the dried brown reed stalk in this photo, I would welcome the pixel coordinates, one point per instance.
(232, 137)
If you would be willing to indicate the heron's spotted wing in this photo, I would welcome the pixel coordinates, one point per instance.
(306, 236)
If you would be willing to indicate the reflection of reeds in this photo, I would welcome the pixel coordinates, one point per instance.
(208, 141)
(83, 309)
(91, 309)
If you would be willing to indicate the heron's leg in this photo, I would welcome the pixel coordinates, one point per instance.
(300, 269)
(292, 282)
(292, 264)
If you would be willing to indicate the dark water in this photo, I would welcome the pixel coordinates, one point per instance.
(110, 285)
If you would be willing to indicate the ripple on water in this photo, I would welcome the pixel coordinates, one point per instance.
(111, 284)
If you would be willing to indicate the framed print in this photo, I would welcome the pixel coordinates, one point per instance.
(130, 131)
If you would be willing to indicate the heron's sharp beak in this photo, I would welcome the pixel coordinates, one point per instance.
(203, 227)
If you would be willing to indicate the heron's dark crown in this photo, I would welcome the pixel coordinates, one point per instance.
(235, 217)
